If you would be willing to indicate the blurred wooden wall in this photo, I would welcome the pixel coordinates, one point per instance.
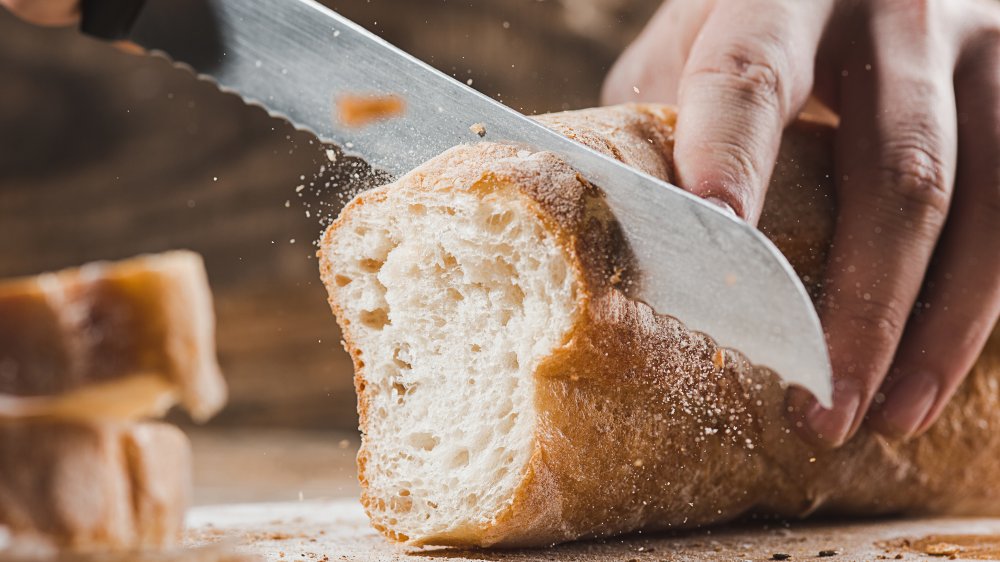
(104, 155)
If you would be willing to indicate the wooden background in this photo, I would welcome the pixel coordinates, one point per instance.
(104, 155)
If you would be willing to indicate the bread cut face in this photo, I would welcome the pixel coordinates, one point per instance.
(451, 294)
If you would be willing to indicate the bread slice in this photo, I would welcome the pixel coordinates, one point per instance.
(510, 392)
(112, 340)
(93, 486)
(83, 354)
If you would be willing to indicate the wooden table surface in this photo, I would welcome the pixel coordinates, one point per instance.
(273, 465)
(284, 495)
(338, 530)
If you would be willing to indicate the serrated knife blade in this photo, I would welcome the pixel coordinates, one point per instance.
(713, 272)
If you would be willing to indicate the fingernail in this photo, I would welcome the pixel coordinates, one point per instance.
(833, 426)
(722, 205)
(908, 402)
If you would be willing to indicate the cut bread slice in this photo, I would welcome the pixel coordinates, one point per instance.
(452, 298)
(113, 340)
(511, 394)
(93, 486)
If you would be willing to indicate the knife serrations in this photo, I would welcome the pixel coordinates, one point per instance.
(713, 272)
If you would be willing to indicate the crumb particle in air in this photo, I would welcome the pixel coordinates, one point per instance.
(360, 110)
(616, 275)
(719, 358)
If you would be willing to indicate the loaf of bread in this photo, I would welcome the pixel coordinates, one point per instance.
(114, 340)
(93, 486)
(86, 355)
(510, 393)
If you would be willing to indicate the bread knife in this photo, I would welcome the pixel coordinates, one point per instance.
(296, 58)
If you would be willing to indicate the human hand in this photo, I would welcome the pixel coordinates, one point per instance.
(912, 288)
(45, 12)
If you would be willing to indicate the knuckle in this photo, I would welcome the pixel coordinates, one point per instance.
(759, 73)
(917, 181)
(737, 157)
(874, 324)
(753, 72)
(735, 173)
(881, 317)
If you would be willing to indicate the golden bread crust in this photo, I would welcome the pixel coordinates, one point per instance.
(644, 424)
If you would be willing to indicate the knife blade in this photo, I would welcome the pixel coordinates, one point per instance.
(713, 272)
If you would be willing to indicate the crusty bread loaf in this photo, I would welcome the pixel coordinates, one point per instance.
(93, 486)
(112, 340)
(511, 394)
(85, 355)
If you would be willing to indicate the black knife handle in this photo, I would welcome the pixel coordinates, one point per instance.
(109, 19)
